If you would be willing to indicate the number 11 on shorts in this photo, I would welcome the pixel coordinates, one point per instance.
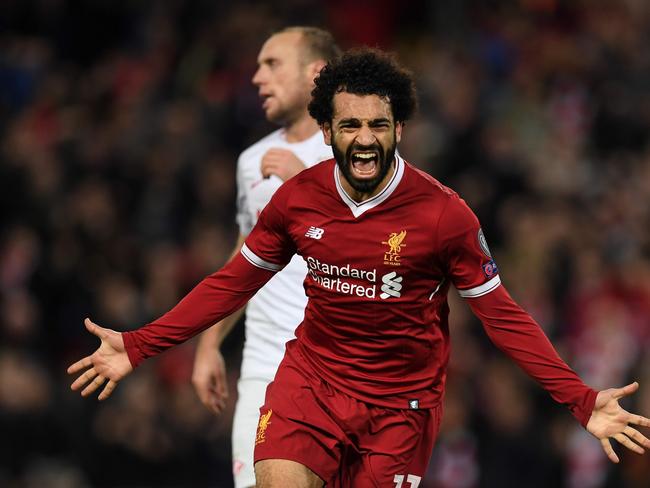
(412, 480)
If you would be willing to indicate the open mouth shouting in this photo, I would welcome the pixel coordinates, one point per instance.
(365, 164)
(364, 167)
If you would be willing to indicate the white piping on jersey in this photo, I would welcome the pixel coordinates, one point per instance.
(437, 288)
(359, 208)
(255, 260)
(481, 290)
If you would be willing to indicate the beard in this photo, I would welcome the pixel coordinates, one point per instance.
(344, 162)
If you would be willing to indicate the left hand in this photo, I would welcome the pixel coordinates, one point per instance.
(610, 420)
(282, 163)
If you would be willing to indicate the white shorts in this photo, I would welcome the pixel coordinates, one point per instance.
(251, 392)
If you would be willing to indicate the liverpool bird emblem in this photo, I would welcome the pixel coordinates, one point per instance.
(265, 420)
(395, 243)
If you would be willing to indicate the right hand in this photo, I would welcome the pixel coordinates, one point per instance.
(109, 362)
(209, 378)
(280, 162)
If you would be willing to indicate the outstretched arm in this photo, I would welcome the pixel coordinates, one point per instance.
(214, 298)
(521, 338)
(515, 332)
(269, 248)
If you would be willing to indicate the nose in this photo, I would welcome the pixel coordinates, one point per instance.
(365, 136)
(258, 77)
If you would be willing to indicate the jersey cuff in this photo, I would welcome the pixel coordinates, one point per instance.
(481, 290)
(255, 260)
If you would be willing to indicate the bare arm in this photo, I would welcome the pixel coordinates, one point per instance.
(209, 372)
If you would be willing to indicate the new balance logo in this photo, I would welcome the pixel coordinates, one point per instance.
(392, 286)
(315, 232)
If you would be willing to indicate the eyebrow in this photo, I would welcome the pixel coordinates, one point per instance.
(267, 60)
(356, 121)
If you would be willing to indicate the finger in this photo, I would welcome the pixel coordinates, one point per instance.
(205, 395)
(222, 385)
(83, 379)
(108, 389)
(627, 442)
(270, 164)
(79, 365)
(639, 420)
(215, 408)
(93, 385)
(209, 401)
(637, 436)
(218, 405)
(93, 328)
(626, 390)
(607, 447)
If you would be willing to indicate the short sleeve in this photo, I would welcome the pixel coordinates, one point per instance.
(244, 219)
(269, 244)
(464, 251)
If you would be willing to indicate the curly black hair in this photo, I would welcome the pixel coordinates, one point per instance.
(364, 71)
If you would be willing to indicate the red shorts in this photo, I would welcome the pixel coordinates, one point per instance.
(346, 442)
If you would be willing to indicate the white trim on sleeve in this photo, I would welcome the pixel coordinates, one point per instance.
(255, 260)
(481, 290)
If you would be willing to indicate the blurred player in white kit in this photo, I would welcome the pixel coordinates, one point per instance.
(287, 64)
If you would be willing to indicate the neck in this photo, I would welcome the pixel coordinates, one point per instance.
(360, 197)
(301, 129)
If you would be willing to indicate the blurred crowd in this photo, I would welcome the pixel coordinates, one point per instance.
(120, 124)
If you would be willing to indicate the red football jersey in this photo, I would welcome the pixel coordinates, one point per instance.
(376, 324)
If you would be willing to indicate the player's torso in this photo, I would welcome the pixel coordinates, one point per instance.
(382, 257)
(373, 277)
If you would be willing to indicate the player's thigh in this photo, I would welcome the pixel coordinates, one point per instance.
(398, 452)
(281, 473)
(296, 423)
(250, 398)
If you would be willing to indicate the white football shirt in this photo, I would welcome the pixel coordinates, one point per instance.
(276, 310)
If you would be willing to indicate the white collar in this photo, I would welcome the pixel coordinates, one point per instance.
(359, 208)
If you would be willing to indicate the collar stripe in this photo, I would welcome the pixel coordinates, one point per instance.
(359, 208)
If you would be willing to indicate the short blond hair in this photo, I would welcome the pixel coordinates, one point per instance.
(319, 44)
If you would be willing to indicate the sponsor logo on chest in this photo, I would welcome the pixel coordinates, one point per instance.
(352, 279)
